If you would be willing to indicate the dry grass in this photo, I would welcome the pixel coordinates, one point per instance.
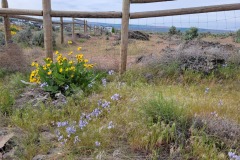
(12, 59)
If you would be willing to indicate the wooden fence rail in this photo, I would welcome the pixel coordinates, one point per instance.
(149, 1)
(125, 15)
(194, 10)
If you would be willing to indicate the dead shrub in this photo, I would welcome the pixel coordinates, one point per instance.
(12, 59)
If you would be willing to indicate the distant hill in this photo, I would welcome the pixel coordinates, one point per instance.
(155, 28)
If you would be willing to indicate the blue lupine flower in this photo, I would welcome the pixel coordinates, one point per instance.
(70, 130)
(45, 84)
(82, 123)
(62, 124)
(207, 90)
(97, 143)
(104, 82)
(110, 125)
(106, 104)
(99, 102)
(111, 72)
(60, 138)
(233, 156)
(115, 97)
(66, 87)
(96, 112)
(76, 139)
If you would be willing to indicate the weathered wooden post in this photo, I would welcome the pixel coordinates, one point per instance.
(124, 35)
(6, 22)
(84, 27)
(61, 30)
(73, 29)
(47, 27)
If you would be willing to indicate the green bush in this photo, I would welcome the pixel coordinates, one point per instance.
(167, 111)
(113, 30)
(172, 30)
(238, 36)
(24, 36)
(38, 39)
(191, 33)
(65, 75)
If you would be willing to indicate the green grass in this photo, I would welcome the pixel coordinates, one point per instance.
(151, 119)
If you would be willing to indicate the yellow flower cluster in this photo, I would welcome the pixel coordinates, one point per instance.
(34, 77)
(13, 33)
(63, 66)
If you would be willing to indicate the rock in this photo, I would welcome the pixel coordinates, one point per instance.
(10, 155)
(39, 157)
(138, 35)
(48, 136)
(5, 139)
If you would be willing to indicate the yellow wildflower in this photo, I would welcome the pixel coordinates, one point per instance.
(72, 68)
(33, 64)
(86, 60)
(79, 48)
(66, 70)
(70, 62)
(70, 53)
(48, 59)
(48, 65)
(44, 68)
(69, 42)
(57, 52)
(49, 73)
(60, 70)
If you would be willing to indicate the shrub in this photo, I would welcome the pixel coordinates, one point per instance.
(238, 36)
(38, 39)
(24, 36)
(167, 111)
(172, 30)
(113, 30)
(191, 33)
(65, 75)
(2, 39)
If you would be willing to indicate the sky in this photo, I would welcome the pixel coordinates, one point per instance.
(229, 20)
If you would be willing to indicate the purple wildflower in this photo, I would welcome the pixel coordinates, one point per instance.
(60, 138)
(82, 124)
(62, 124)
(207, 90)
(110, 125)
(111, 72)
(106, 104)
(104, 82)
(97, 143)
(45, 84)
(70, 130)
(96, 112)
(76, 139)
(115, 97)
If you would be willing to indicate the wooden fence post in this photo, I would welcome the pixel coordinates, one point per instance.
(124, 35)
(84, 26)
(61, 30)
(73, 29)
(47, 27)
(7, 25)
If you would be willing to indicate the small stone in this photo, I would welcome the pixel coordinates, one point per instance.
(39, 157)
